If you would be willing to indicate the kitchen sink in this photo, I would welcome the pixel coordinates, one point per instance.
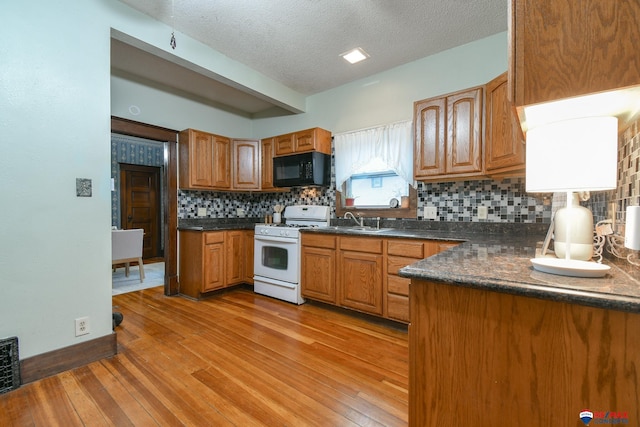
(357, 228)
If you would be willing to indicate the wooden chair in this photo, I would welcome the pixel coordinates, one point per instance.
(126, 247)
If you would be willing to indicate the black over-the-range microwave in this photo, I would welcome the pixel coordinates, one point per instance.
(304, 169)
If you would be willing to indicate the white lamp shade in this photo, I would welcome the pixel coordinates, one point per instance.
(573, 155)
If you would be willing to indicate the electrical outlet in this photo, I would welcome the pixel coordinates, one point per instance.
(482, 212)
(202, 211)
(82, 326)
(240, 212)
(430, 212)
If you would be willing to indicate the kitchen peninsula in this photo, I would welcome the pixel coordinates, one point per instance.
(493, 342)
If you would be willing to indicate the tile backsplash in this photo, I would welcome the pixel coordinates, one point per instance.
(506, 200)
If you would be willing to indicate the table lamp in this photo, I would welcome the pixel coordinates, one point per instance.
(572, 156)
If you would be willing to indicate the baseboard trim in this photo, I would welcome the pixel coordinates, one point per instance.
(56, 361)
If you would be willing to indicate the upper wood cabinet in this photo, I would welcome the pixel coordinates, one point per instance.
(504, 145)
(315, 139)
(246, 164)
(205, 161)
(562, 49)
(267, 154)
(214, 162)
(448, 136)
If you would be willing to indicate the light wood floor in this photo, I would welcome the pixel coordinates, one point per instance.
(237, 359)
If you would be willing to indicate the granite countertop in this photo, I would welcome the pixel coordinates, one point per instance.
(500, 261)
(217, 224)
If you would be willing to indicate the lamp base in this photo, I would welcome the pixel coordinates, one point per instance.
(570, 267)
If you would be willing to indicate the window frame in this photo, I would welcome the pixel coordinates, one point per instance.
(399, 212)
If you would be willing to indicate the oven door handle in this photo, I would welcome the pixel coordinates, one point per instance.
(288, 240)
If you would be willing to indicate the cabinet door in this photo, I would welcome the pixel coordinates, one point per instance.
(319, 274)
(246, 164)
(504, 148)
(222, 163)
(201, 158)
(284, 144)
(214, 277)
(429, 119)
(360, 284)
(235, 256)
(268, 150)
(562, 49)
(304, 141)
(464, 132)
(248, 256)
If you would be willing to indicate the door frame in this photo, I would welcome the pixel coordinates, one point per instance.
(169, 189)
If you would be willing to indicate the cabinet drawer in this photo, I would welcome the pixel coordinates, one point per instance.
(215, 237)
(361, 244)
(318, 241)
(395, 263)
(398, 285)
(398, 307)
(408, 248)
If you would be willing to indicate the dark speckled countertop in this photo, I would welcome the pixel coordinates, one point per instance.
(498, 259)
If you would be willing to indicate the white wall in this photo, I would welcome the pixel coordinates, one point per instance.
(54, 121)
(173, 112)
(388, 97)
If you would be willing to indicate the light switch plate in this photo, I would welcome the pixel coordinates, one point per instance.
(202, 211)
(430, 212)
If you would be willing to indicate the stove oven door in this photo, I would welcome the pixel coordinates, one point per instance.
(277, 258)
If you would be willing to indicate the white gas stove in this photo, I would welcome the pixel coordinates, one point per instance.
(277, 252)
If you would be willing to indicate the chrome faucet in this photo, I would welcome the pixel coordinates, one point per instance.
(349, 214)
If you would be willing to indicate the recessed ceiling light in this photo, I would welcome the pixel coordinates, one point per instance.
(355, 55)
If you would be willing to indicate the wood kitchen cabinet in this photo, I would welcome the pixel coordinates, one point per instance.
(360, 269)
(399, 254)
(504, 144)
(205, 161)
(563, 49)
(315, 139)
(213, 260)
(318, 266)
(246, 164)
(248, 255)
(361, 273)
(448, 136)
(214, 162)
(234, 257)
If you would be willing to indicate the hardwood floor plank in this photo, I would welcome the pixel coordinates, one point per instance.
(83, 404)
(236, 359)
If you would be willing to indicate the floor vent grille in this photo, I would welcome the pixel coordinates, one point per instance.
(9, 365)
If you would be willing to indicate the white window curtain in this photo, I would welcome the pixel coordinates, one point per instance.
(392, 143)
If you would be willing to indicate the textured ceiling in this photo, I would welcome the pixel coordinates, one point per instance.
(298, 42)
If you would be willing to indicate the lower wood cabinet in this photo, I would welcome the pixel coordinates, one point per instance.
(318, 266)
(212, 260)
(361, 273)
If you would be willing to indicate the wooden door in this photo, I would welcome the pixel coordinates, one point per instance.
(246, 164)
(267, 153)
(430, 132)
(234, 244)
(504, 148)
(140, 203)
(284, 144)
(464, 137)
(201, 159)
(213, 267)
(222, 162)
(318, 273)
(248, 256)
(361, 281)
